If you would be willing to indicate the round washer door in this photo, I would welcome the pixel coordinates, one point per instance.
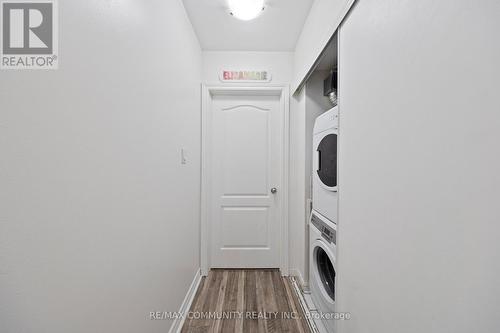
(326, 168)
(324, 270)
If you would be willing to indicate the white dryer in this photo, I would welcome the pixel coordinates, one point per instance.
(324, 178)
(322, 259)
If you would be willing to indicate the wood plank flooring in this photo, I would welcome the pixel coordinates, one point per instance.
(245, 301)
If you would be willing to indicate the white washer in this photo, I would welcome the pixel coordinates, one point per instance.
(324, 176)
(322, 259)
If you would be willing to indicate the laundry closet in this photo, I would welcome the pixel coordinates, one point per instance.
(321, 139)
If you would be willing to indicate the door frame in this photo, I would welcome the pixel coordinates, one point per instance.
(214, 90)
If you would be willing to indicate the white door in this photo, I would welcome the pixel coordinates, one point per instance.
(245, 180)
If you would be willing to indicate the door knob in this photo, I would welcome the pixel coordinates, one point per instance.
(274, 190)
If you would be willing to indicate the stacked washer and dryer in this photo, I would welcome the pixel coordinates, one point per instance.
(323, 222)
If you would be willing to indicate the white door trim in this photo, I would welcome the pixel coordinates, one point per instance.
(207, 92)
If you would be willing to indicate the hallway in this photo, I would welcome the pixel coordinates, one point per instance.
(309, 166)
(249, 301)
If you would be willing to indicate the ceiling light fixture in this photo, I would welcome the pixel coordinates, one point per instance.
(246, 9)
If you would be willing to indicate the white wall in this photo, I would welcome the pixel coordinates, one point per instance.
(279, 64)
(297, 185)
(418, 246)
(321, 23)
(99, 222)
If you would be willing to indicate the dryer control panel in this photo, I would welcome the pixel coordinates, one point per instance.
(329, 234)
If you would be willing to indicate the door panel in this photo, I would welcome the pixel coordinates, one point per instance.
(245, 150)
(245, 227)
(245, 165)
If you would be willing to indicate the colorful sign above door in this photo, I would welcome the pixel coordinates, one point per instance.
(245, 76)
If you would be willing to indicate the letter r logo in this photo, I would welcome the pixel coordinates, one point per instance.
(27, 27)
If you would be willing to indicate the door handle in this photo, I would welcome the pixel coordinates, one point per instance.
(274, 190)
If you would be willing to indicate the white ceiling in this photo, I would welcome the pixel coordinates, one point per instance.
(276, 29)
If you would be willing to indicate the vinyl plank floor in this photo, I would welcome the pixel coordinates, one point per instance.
(245, 301)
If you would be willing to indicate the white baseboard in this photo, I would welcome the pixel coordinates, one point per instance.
(186, 304)
(305, 307)
(300, 279)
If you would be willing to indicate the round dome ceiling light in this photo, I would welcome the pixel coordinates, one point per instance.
(246, 9)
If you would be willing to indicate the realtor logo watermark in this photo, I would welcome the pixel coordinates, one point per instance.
(29, 34)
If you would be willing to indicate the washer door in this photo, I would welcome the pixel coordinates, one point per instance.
(324, 267)
(326, 167)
